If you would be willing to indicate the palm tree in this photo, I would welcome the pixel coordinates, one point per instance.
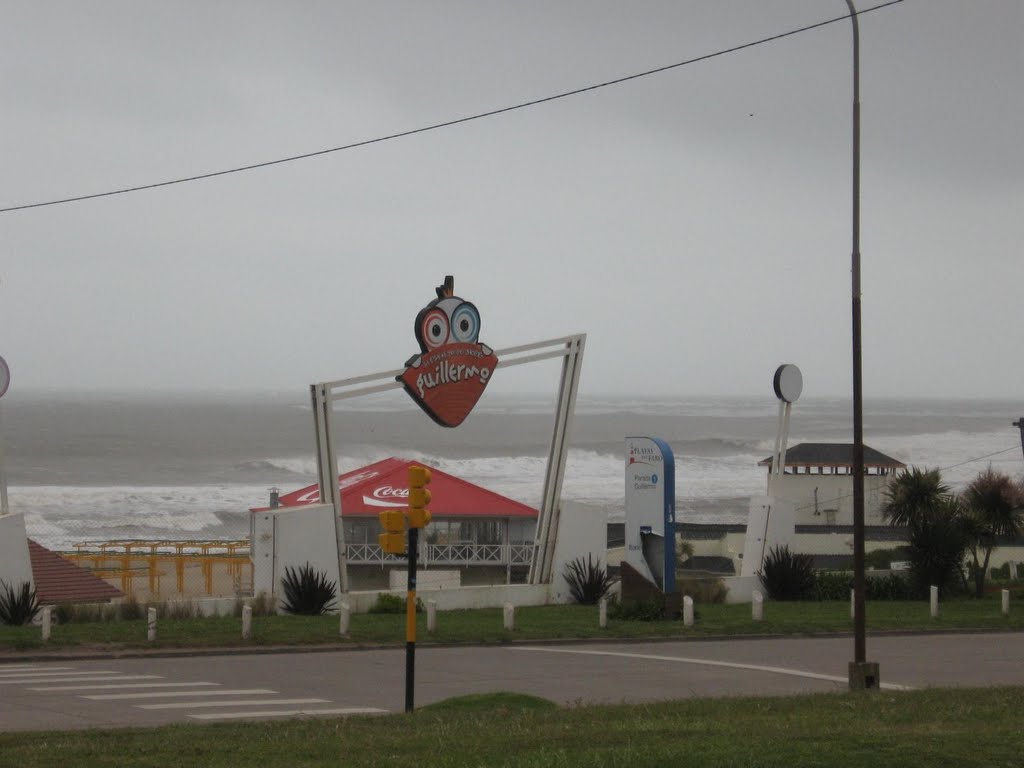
(919, 501)
(912, 495)
(994, 508)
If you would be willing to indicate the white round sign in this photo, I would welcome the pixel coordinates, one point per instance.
(5, 377)
(789, 383)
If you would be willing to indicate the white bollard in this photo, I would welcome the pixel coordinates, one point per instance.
(1006, 602)
(151, 630)
(344, 619)
(602, 613)
(510, 617)
(687, 611)
(853, 603)
(757, 606)
(47, 615)
(246, 622)
(431, 616)
(935, 602)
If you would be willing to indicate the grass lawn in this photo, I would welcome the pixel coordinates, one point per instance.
(540, 623)
(971, 727)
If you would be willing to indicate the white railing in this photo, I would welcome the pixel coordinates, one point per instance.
(447, 554)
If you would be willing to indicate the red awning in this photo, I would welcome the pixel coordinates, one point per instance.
(385, 485)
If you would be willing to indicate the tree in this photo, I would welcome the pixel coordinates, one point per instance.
(919, 501)
(912, 495)
(994, 508)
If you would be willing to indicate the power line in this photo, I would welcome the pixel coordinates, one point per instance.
(842, 496)
(447, 123)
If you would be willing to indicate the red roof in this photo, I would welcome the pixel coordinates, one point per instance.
(385, 485)
(58, 580)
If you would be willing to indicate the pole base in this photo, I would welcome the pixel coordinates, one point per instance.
(864, 676)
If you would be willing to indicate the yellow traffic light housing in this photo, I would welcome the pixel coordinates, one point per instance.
(392, 541)
(419, 497)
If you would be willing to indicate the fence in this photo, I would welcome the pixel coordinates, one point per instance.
(162, 570)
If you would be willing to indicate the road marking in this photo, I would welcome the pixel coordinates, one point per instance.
(290, 713)
(710, 663)
(118, 685)
(79, 678)
(167, 694)
(16, 669)
(232, 703)
(64, 671)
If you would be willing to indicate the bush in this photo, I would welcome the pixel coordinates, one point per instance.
(307, 592)
(703, 591)
(588, 581)
(836, 585)
(787, 575)
(262, 605)
(130, 609)
(17, 606)
(391, 603)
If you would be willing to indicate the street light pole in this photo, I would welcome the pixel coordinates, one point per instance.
(862, 674)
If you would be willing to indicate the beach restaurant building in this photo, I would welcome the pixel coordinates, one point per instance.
(475, 535)
(818, 479)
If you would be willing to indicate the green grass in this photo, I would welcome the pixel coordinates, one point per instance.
(538, 623)
(918, 729)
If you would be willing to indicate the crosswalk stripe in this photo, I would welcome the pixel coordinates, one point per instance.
(232, 703)
(166, 694)
(17, 669)
(116, 685)
(78, 678)
(289, 713)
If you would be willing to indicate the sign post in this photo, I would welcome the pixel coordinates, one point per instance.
(650, 510)
(5, 382)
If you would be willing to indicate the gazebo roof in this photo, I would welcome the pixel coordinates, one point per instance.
(833, 455)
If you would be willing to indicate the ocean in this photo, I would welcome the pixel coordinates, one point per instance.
(86, 467)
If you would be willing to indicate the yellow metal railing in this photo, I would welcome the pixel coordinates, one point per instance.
(202, 568)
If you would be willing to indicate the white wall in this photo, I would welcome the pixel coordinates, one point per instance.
(834, 492)
(292, 537)
(15, 566)
(461, 598)
(581, 532)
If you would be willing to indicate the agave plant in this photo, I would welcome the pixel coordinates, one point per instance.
(307, 592)
(588, 581)
(788, 575)
(17, 606)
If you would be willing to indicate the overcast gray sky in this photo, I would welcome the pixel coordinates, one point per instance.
(695, 223)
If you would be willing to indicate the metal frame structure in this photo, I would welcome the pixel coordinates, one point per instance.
(568, 348)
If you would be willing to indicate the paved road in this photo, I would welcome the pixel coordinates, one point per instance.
(152, 691)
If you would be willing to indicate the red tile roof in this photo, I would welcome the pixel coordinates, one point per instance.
(58, 580)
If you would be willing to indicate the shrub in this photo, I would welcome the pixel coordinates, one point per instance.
(391, 603)
(832, 585)
(262, 605)
(130, 609)
(588, 581)
(703, 591)
(307, 592)
(788, 575)
(17, 606)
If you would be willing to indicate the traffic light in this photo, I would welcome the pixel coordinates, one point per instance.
(419, 497)
(392, 541)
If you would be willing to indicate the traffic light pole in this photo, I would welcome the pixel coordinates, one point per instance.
(410, 620)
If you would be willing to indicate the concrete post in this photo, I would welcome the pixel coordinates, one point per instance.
(935, 601)
(1006, 602)
(46, 623)
(602, 613)
(151, 628)
(510, 617)
(246, 622)
(687, 611)
(431, 616)
(344, 619)
(757, 606)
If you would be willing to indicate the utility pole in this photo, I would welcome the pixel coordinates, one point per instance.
(1019, 424)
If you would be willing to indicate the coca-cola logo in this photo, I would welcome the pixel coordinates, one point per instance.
(387, 492)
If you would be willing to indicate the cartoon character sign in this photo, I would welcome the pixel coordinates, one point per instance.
(449, 375)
